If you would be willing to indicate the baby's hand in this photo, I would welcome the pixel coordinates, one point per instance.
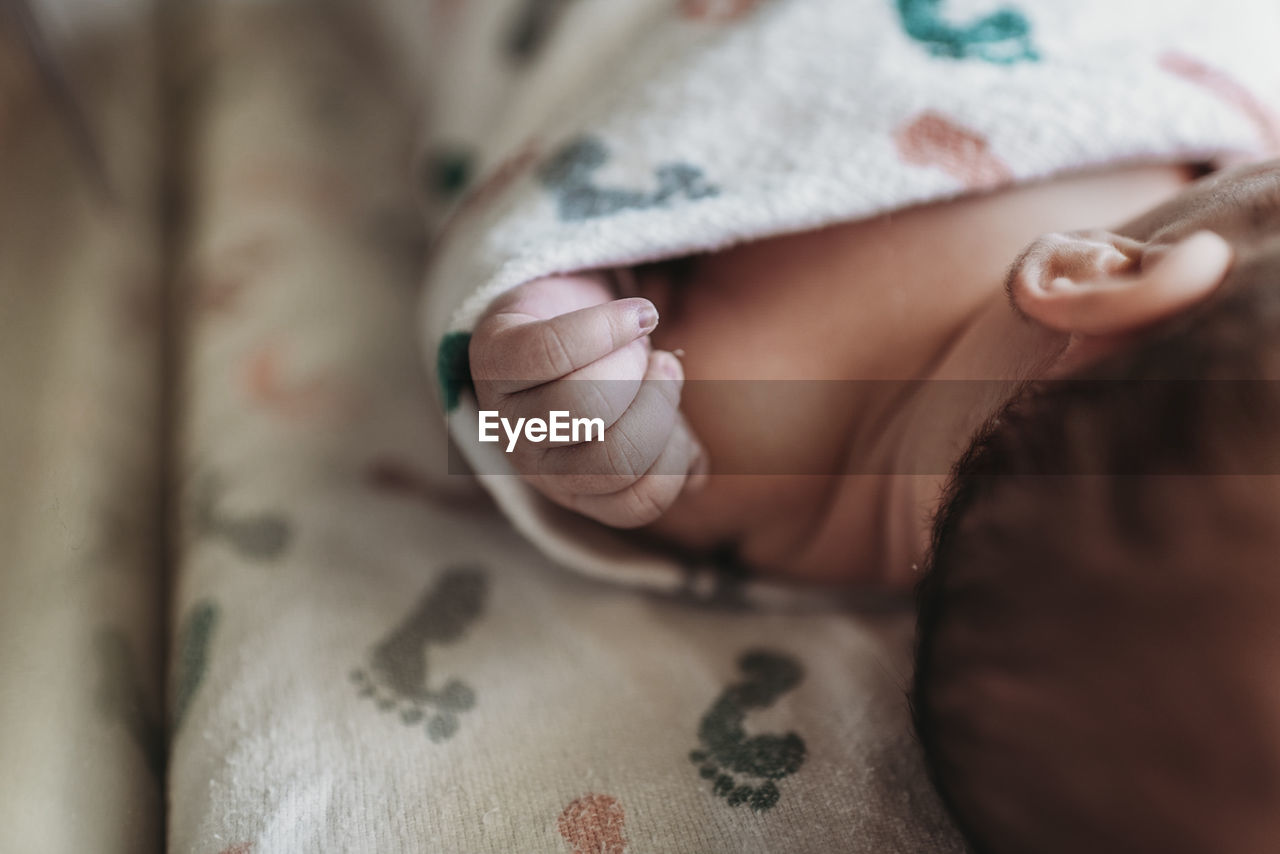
(564, 343)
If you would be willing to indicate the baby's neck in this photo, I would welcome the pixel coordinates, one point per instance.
(987, 353)
(892, 306)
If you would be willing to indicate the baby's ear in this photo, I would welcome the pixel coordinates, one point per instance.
(1100, 284)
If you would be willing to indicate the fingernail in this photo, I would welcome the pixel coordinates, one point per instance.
(647, 317)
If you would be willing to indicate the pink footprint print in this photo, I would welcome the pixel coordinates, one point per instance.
(220, 288)
(934, 140)
(320, 397)
(242, 848)
(1229, 90)
(592, 824)
(716, 11)
(220, 295)
(323, 192)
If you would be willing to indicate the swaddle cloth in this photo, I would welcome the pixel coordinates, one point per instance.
(601, 133)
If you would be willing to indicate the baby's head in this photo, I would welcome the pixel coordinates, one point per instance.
(1098, 665)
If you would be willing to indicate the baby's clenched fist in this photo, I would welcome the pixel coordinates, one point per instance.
(564, 343)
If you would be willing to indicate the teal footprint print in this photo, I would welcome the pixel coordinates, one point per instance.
(195, 638)
(120, 697)
(264, 536)
(449, 171)
(1002, 37)
(396, 676)
(453, 368)
(743, 769)
(570, 176)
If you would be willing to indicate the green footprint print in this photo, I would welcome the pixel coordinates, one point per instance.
(728, 754)
(396, 676)
(569, 174)
(262, 537)
(449, 170)
(1002, 37)
(453, 367)
(195, 637)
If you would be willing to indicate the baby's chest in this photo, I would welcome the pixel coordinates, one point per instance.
(771, 351)
(766, 354)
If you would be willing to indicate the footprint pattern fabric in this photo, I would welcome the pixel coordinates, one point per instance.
(193, 648)
(744, 769)
(1002, 36)
(368, 658)
(716, 11)
(261, 536)
(594, 824)
(932, 139)
(396, 677)
(570, 175)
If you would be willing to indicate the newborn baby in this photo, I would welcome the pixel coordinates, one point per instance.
(1097, 626)
(856, 463)
(788, 397)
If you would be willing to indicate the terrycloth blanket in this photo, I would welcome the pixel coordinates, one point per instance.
(607, 133)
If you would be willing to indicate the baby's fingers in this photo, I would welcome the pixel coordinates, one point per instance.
(649, 497)
(632, 445)
(511, 353)
(605, 389)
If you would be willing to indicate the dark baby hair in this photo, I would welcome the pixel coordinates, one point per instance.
(1098, 647)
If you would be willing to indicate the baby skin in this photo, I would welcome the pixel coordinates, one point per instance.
(921, 294)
